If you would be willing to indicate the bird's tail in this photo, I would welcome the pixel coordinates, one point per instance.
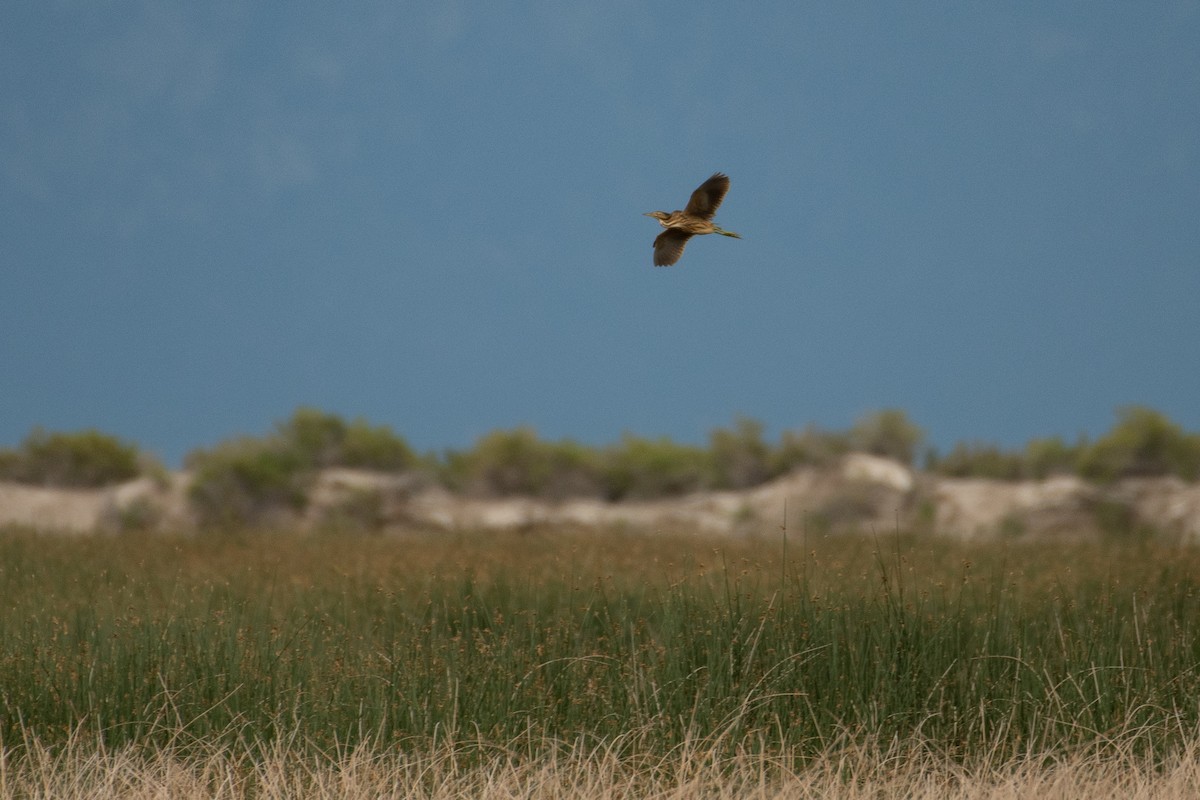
(724, 232)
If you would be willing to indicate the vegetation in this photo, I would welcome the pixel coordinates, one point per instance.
(252, 480)
(453, 768)
(1144, 443)
(741, 457)
(245, 481)
(1041, 459)
(249, 481)
(517, 462)
(76, 460)
(505, 463)
(641, 652)
(227, 665)
(888, 433)
(642, 469)
(810, 447)
(320, 440)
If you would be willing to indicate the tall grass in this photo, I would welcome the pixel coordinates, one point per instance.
(635, 645)
(453, 770)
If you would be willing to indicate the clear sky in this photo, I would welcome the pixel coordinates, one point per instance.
(429, 215)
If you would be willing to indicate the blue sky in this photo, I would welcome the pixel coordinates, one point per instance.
(429, 215)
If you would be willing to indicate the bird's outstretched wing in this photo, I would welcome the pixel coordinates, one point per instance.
(708, 196)
(668, 246)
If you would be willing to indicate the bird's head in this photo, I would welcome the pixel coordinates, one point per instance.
(662, 216)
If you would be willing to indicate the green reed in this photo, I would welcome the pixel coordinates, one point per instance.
(564, 636)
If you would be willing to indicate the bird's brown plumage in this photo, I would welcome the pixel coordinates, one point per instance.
(695, 219)
(708, 196)
(668, 246)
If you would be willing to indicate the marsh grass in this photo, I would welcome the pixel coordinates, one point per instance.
(228, 655)
(853, 769)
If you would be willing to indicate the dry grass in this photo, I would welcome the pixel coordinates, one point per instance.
(484, 772)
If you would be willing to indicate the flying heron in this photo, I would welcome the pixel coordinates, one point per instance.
(694, 220)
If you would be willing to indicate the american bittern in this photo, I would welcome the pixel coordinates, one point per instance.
(695, 220)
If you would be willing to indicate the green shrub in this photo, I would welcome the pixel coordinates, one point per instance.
(740, 456)
(315, 437)
(84, 459)
(516, 462)
(245, 481)
(507, 463)
(1143, 443)
(10, 465)
(1040, 459)
(887, 433)
(377, 448)
(575, 471)
(1052, 456)
(649, 468)
(322, 440)
(979, 461)
(453, 469)
(810, 447)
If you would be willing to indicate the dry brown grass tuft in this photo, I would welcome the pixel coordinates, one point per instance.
(849, 772)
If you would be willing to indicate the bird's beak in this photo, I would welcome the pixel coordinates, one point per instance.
(648, 214)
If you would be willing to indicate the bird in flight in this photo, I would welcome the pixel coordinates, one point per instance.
(695, 220)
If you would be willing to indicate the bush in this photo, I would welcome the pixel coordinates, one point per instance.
(323, 440)
(811, 447)
(740, 456)
(1143, 443)
(314, 437)
(575, 471)
(887, 433)
(246, 481)
(1052, 456)
(10, 465)
(516, 462)
(1040, 459)
(377, 448)
(979, 461)
(76, 460)
(505, 463)
(648, 468)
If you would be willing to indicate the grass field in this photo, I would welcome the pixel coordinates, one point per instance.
(639, 661)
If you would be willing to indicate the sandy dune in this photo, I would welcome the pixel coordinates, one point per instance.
(861, 492)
